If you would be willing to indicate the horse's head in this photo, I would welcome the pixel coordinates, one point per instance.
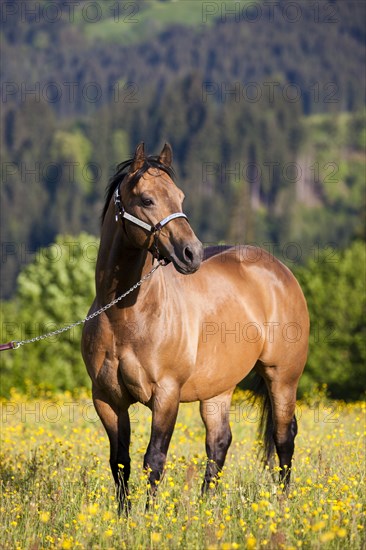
(149, 195)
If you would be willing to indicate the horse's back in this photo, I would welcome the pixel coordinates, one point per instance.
(261, 278)
(248, 262)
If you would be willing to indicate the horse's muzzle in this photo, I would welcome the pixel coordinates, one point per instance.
(189, 259)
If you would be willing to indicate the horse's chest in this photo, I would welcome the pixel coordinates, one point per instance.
(135, 376)
(106, 379)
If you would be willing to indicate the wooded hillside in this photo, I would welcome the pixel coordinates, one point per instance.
(262, 102)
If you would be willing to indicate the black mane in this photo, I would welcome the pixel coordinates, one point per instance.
(122, 171)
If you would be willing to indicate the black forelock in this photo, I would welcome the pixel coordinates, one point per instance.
(151, 161)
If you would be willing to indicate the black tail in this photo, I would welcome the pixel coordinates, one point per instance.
(260, 395)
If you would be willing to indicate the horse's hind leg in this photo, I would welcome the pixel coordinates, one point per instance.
(215, 415)
(281, 420)
(117, 426)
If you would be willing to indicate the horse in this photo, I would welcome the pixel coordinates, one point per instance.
(202, 322)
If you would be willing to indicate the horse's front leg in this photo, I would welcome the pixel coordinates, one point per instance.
(117, 426)
(165, 404)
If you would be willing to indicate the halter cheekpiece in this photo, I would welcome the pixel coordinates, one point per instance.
(154, 229)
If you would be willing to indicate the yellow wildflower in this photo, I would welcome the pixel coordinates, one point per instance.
(44, 517)
(326, 537)
(155, 537)
(251, 543)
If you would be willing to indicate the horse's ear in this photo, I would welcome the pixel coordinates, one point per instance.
(139, 157)
(166, 155)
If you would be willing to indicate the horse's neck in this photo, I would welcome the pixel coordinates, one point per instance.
(119, 266)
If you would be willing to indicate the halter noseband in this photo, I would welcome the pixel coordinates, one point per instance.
(154, 229)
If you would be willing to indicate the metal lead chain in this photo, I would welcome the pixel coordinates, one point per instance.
(15, 344)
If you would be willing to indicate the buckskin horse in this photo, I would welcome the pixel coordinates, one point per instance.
(191, 332)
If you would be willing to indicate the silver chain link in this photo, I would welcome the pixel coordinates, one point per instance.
(18, 343)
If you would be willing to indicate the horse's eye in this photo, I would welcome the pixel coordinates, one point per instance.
(146, 201)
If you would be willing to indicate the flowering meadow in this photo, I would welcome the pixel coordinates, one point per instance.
(57, 489)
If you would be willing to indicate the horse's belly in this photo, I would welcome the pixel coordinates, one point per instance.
(219, 367)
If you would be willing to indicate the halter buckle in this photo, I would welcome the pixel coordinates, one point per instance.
(118, 205)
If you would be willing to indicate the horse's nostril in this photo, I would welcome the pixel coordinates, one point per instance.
(188, 254)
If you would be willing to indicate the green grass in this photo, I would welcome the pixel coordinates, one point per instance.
(133, 23)
(57, 490)
(337, 149)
